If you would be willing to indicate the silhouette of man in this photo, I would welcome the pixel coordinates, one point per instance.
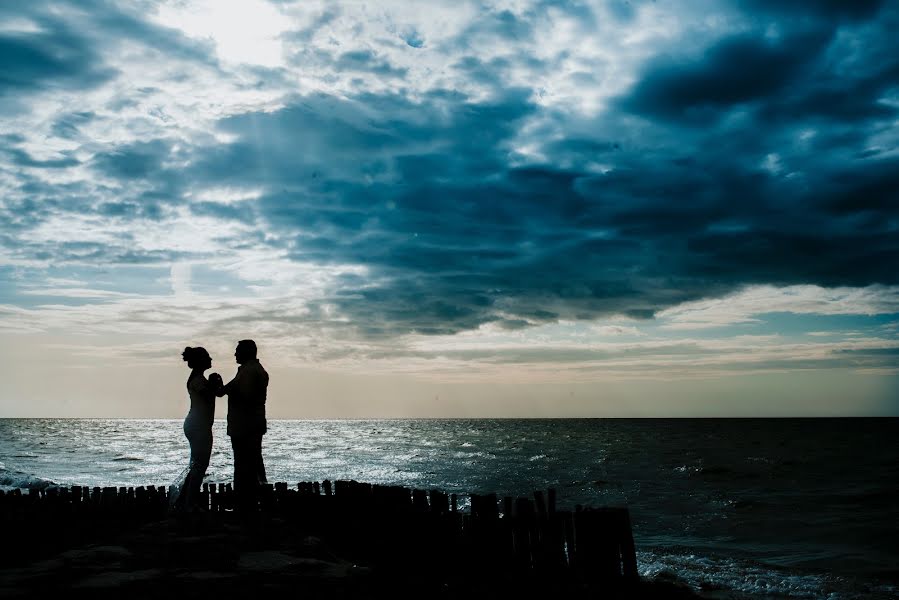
(246, 422)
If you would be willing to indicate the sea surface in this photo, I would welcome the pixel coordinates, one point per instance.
(770, 508)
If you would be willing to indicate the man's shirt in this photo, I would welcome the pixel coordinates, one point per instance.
(246, 400)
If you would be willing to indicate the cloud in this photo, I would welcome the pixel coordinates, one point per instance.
(181, 279)
(151, 330)
(140, 160)
(733, 71)
(22, 158)
(52, 54)
(748, 304)
(475, 169)
(427, 195)
(368, 62)
(827, 9)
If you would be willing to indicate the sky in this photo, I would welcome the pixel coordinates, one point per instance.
(452, 209)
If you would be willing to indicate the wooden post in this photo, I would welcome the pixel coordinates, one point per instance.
(540, 503)
(597, 544)
(420, 500)
(521, 533)
(507, 507)
(140, 500)
(626, 546)
(439, 502)
(568, 532)
(327, 485)
(455, 503)
(543, 540)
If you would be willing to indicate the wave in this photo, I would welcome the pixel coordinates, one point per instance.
(719, 574)
(716, 472)
(11, 480)
(127, 459)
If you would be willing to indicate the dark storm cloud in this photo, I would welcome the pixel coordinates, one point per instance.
(827, 9)
(66, 50)
(56, 55)
(423, 194)
(733, 71)
(819, 67)
(431, 197)
(141, 160)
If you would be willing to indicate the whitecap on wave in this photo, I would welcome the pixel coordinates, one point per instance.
(706, 573)
(11, 480)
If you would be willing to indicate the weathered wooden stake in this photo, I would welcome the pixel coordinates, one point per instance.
(628, 551)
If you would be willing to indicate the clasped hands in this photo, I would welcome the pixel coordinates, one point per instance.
(215, 380)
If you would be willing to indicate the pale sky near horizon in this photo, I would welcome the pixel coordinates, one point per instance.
(454, 209)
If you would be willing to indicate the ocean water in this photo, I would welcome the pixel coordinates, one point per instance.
(771, 508)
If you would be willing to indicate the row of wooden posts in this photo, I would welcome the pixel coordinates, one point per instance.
(525, 533)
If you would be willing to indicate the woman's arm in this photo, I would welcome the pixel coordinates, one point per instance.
(224, 388)
(200, 386)
(215, 384)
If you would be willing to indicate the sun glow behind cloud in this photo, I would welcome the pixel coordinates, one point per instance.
(245, 32)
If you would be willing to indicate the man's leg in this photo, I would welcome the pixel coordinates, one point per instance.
(260, 464)
(244, 472)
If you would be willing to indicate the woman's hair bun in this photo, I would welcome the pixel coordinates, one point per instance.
(194, 356)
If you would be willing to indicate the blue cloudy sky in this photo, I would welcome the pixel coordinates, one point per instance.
(456, 208)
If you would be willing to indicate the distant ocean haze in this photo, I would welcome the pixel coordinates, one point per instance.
(791, 507)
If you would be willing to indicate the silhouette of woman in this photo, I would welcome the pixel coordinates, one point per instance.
(198, 424)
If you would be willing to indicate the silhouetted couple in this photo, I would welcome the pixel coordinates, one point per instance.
(246, 422)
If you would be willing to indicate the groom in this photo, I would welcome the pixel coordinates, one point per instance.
(246, 422)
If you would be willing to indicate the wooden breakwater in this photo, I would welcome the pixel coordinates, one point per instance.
(418, 529)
